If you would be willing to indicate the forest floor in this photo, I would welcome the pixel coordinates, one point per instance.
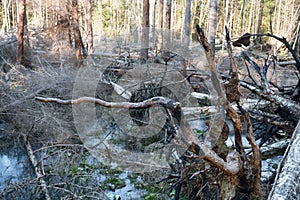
(51, 72)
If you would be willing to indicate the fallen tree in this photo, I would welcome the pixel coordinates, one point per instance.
(231, 173)
(287, 182)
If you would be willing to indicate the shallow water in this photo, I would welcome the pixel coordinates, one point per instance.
(14, 166)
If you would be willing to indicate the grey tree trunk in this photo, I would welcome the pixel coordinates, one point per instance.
(187, 24)
(160, 25)
(90, 25)
(212, 23)
(287, 183)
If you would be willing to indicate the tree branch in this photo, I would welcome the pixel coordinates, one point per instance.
(38, 171)
(130, 105)
(291, 106)
(184, 135)
(261, 71)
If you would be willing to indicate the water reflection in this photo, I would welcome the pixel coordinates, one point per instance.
(14, 166)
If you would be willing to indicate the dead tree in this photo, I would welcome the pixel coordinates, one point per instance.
(237, 174)
(285, 115)
(286, 184)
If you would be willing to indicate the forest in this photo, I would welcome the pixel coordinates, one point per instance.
(149, 99)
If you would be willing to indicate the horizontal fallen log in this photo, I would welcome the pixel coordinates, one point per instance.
(289, 105)
(275, 149)
(207, 110)
(246, 103)
(130, 105)
(286, 185)
(115, 55)
(285, 63)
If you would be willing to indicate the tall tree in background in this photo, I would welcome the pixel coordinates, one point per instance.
(145, 31)
(160, 25)
(89, 23)
(169, 14)
(243, 16)
(21, 28)
(77, 34)
(212, 23)
(259, 28)
(187, 24)
(168, 22)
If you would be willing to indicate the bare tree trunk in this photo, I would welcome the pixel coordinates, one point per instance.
(168, 22)
(99, 23)
(187, 24)
(21, 28)
(286, 185)
(76, 30)
(69, 25)
(169, 14)
(90, 25)
(145, 31)
(243, 16)
(212, 23)
(250, 25)
(160, 25)
(153, 18)
(260, 17)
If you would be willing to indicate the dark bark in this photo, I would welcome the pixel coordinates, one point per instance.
(21, 29)
(69, 11)
(169, 14)
(262, 71)
(145, 31)
(77, 35)
(168, 23)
